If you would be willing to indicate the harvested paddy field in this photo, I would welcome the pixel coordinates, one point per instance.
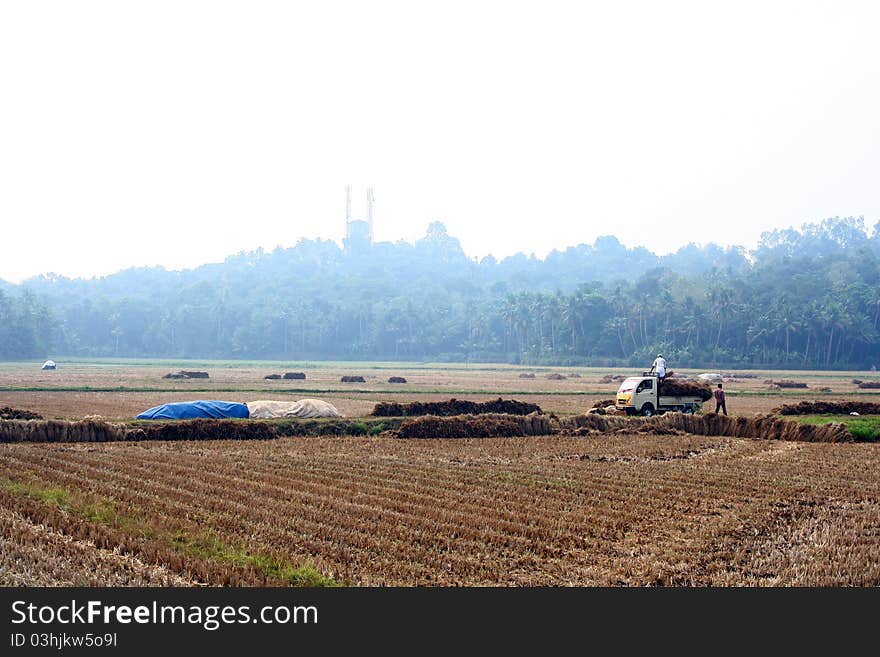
(611, 510)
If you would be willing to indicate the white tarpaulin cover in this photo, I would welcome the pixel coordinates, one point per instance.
(265, 409)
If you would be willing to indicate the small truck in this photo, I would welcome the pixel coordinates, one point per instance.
(638, 395)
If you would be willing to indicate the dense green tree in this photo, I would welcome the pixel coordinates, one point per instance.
(801, 298)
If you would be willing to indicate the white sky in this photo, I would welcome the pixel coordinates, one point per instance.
(178, 133)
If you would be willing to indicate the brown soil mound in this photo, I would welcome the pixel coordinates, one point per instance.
(460, 426)
(679, 388)
(295, 375)
(274, 377)
(555, 377)
(786, 383)
(352, 379)
(829, 408)
(869, 385)
(396, 379)
(454, 407)
(8, 413)
(760, 428)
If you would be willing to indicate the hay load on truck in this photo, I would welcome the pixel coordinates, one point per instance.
(641, 395)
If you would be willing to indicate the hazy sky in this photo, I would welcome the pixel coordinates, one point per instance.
(177, 133)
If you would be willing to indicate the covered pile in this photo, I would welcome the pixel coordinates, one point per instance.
(265, 409)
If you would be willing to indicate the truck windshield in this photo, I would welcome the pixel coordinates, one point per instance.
(629, 385)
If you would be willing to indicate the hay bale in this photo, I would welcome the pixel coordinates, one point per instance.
(555, 376)
(527, 375)
(869, 385)
(857, 381)
(204, 429)
(680, 388)
(295, 375)
(710, 424)
(57, 431)
(460, 426)
(612, 378)
(396, 379)
(787, 383)
(828, 408)
(602, 403)
(273, 377)
(454, 407)
(194, 375)
(574, 375)
(352, 379)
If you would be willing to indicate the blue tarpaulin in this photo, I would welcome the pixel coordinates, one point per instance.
(195, 409)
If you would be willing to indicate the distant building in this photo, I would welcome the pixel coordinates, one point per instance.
(358, 232)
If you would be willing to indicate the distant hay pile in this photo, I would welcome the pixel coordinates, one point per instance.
(555, 376)
(786, 383)
(295, 375)
(186, 374)
(454, 407)
(9, 413)
(352, 379)
(869, 385)
(396, 379)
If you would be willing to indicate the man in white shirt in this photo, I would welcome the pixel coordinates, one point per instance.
(659, 367)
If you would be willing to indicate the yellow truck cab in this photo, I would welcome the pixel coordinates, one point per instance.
(639, 395)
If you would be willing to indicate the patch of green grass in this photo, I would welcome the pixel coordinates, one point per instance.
(59, 497)
(205, 545)
(862, 427)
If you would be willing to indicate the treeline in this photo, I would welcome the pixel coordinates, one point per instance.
(803, 298)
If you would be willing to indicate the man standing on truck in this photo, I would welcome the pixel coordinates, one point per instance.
(719, 400)
(659, 368)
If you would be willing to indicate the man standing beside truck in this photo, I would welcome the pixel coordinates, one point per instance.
(720, 402)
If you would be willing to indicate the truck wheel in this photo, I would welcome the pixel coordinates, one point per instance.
(648, 410)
